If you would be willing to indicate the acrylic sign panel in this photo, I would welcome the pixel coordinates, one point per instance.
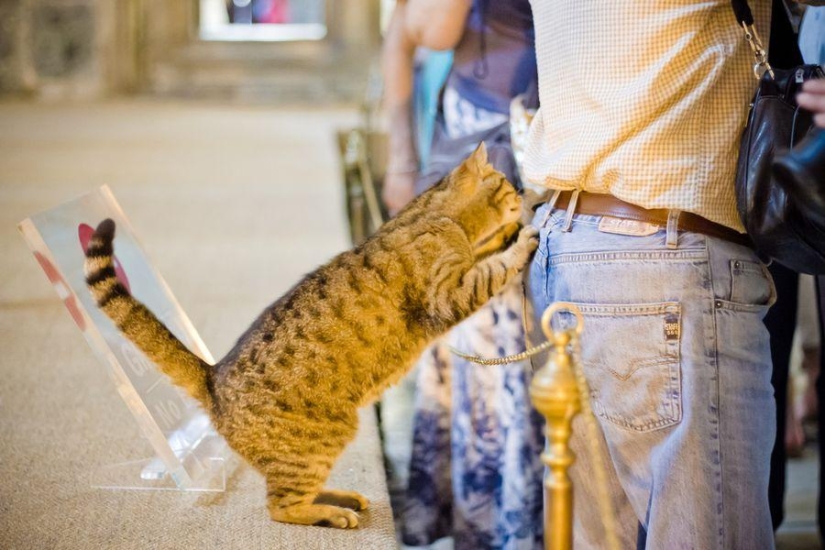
(169, 419)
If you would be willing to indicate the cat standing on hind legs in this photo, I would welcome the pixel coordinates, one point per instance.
(286, 396)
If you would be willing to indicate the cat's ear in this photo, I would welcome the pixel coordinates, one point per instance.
(479, 157)
(476, 163)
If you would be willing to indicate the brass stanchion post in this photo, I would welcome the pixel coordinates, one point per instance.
(555, 395)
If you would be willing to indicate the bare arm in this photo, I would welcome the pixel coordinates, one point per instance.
(397, 67)
(437, 24)
(434, 24)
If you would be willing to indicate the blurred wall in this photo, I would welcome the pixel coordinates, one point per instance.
(86, 49)
(66, 48)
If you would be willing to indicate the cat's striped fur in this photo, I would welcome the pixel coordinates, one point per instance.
(286, 396)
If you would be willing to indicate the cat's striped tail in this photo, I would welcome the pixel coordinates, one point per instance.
(140, 325)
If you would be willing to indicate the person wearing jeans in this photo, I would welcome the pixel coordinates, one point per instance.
(636, 140)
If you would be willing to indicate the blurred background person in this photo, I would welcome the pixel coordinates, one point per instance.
(812, 45)
(475, 471)
(793, 321)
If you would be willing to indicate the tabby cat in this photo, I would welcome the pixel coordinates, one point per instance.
(286, 396)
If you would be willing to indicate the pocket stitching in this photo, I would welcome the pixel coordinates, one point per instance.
(637, 365)
(670, 360)
(627, 310)
(737, 306)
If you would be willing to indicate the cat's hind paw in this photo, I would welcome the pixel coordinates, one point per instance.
(342, 518)
(322, 515)
(347, 499)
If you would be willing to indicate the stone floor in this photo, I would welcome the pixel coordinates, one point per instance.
(799, 528)
(233, 205)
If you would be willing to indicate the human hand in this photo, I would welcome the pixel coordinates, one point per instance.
(398, 190)
(812, 98)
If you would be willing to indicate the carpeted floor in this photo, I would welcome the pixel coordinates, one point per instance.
(233, 204)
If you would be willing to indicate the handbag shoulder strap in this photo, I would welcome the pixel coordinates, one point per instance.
(743, 13)
(784, 47)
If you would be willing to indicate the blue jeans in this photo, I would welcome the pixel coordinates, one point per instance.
(678, 362)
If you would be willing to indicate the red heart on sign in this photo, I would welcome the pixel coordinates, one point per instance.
(62, 288)
(84, 233)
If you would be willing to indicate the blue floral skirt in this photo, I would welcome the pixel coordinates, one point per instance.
(475, 471)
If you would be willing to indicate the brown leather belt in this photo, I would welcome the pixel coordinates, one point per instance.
(595, 204)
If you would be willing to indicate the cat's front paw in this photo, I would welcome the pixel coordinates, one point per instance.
(528, 241)
(528, 238)
(497, 241)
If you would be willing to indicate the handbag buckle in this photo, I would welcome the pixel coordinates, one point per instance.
(762, 66)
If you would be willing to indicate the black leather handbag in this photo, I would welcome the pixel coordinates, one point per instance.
(777, 226)
(802, 173)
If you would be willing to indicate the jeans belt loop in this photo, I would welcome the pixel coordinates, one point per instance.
(673, 228)
(550, 205)
(571, 209)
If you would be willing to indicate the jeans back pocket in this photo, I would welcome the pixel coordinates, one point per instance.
(751, 284)
(631, 359)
